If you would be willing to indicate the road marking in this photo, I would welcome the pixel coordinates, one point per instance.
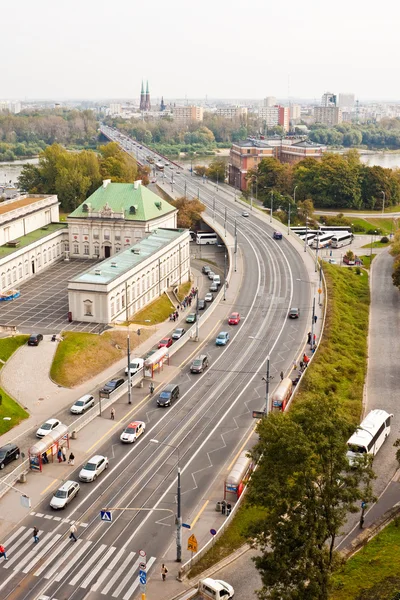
(18, 543)
(26, 557)
(118, 573)
(241, 448)
(41, 553)
(50, 559)
(199, 514)
(107, 571)
(87, 564)
(126, 578)
(45, 491)
(135, 584)
(39, 514)
(74, 558)
(13, 536)
(97, 568)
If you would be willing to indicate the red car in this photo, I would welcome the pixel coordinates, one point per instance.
(234, 319)
(165, 343)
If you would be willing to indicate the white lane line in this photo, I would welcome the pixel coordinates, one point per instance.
(126, 578)
(32, 514)
(13, 536)
(73, 560)
(87, 565)
(39, 514)
(41, 553)
(48, 516)
(57, 518)
(83, 524)
(135, 584)
(97, 568)
(3, 585)
(22, 562)
(107, 571)
(118, 573)
(14, 557)
(52, 557)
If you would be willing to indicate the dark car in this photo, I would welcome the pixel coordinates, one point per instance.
(199, 364)
(8, 453)
(111, 386)
(35, 339)
(277, 235)
(294, 313)
(206, 269)
(168, 395)
(202, 304)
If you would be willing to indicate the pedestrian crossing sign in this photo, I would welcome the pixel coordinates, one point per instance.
(105, 515)
(192, 543)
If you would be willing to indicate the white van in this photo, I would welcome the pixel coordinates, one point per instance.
(217, 279)
(134, 366)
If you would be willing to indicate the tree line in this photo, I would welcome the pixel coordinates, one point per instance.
(73, 176)
(385, 134)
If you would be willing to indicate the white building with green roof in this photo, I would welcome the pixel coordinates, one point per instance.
(115, 217)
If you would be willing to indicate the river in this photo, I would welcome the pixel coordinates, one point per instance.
(11, 171)
(389, 160)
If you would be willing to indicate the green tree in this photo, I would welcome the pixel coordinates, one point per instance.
(30, 179)
(116, 164)
(305, 484)
(216, 170)
(189, 212)
(200, 170)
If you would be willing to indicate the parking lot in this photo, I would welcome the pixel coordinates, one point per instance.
(43, 304)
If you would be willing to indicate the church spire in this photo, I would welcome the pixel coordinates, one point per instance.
(147, 105)
(142, 99)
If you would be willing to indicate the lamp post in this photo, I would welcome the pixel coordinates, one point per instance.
(178, 509)
(313, 310)
(267, 378)
(305, 240)
(225, 276)
(235, 251)
(383, 203)
(225, 223)
(294, 200)
(272, 207)
(372, 241)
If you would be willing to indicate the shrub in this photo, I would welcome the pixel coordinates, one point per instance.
(384, 240)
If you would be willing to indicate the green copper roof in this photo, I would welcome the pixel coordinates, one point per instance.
(137, 204)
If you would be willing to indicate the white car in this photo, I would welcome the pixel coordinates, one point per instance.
(64, 494)
(48, 426)
(135, 365)
(226, 586)
(132, 432)
(87, 401)
(209, 297)
(94, 466)
(245, 213)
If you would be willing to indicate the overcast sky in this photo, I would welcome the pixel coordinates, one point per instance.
(219, 48)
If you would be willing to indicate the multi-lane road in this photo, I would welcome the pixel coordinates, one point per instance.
(207, 423)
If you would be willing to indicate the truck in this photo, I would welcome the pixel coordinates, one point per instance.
(211, 589)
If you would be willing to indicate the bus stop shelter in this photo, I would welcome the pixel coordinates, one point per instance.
(46, 448)
(156, 361)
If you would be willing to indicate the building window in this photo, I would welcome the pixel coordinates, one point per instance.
(112, 307)
(95, 234)
(45, 256)
(58, 249)
(3, 280)
(97, 250)
(123, 300)
(14, 274)
(76, 248)
(88, 306)
(106, 234)
(117, 303)
(54, 251)
(20, 271)
(117, 236)
(39, 261)
(86, 249)
(66, 246)
(128, 294)
(26, 268)
(8, 277)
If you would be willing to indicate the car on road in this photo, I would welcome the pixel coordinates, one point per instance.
(206, 269)
(178, 333)
(134, 366)
(214, 287)
(8, 452)
(217, 279)
(93, 468)
(35, 339)
(234, 318)
(201, 304)
(209, 297)
(168, 395)
(65, 494)
(332, 261)
(222, 338)
(131, 433)
(227, 587)
(211, 275)
(87, 401)
(277, 235)
(48, 426)
(165, 342)
(199, 364)
(294, 313)
(191, 318)
(245, 213)
(111, 386)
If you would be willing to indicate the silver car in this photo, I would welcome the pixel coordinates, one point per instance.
(64, 494)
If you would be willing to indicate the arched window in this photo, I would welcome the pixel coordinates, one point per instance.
(88, 308)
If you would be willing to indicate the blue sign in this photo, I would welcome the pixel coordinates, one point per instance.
(143, 579)
(186, 525)
(105, 515)
(213, 532)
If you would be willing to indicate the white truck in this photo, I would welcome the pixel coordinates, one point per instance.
(211, 589)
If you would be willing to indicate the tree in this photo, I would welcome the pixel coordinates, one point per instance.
(200, 170)
(305, 484)
(30, 179)
(189, 212)
(305, 209)
(116, 164)
(216, 170)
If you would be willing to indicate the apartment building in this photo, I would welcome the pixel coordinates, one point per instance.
(187, 114)
(328, 115)
(233, 112)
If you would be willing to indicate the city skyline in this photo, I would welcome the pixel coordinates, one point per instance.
(222, 52)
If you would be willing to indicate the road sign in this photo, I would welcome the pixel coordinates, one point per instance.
(142, 553)
(106, 515)
(186, 525)
(143, 579)
(142, 566)
(192, 543)
(258, 414)
(213, 532)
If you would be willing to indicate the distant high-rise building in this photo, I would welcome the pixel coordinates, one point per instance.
(184, 114)
(232, 112)
(272, 116)
(270, 101)
(346, 100)
(284, 117)
(115, 109)
(328, 99)
(328, 115)
(142, 99)
(295, 112)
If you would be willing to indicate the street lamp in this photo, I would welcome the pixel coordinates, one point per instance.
(313, 311)
(294, 200)
(272, 206)
(372, 241)
(267, 378)
(383, 203)
(178, 510)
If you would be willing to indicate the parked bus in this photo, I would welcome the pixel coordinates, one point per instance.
(206, 237)
(342, 239)
(370, 435)
(322, 241)
(335, 228)
(159, 166)
(310, 237)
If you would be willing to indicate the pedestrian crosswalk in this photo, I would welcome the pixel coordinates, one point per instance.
(96, 567)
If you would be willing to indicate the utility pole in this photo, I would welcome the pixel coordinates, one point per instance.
(267, 380)
(235, 251)
(185, 188)
(316, 255)
(213, 208)
(320, 282)
(129, 370)
(312, 322)
(272, 207)
(225, 276)
(305, 240)
(225, 223)
(197, 317)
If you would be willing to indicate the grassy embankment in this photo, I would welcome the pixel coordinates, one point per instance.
(156, 312)
(339, 367)
(10, 409)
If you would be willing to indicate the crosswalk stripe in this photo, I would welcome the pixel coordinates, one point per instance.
(118, 573)
(55, 567)
(52, 557)
(23, 560)
(97, 568)
(107, 571)
(126, 578)
(16, 556)
(42, 552)
(73, 560)
(87, 565)
(12, 537)
(21, 540)
(135, 584)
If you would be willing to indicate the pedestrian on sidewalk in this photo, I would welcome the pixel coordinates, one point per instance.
(3, 552)
(45, 460)
(164, 572)
(72, 532)
(71, 459)
(281, 375)
(309, 337)
(64, 453)
(59, 455)
(35, 534)
(151, 388)
(315, 319)
(112, 413)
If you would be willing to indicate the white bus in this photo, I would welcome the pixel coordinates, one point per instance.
(159, 166)
(321, 241)
(370, 435)
(206, 237)
(342, 239)
(335, 228)
(310, 237)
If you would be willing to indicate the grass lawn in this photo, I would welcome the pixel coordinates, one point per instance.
(81, 356)
(156, 312)
(376, 245)
(10, 408)
(232, 538)
(367, 259)
(9, 345)
(184, 289)
(374, 572)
